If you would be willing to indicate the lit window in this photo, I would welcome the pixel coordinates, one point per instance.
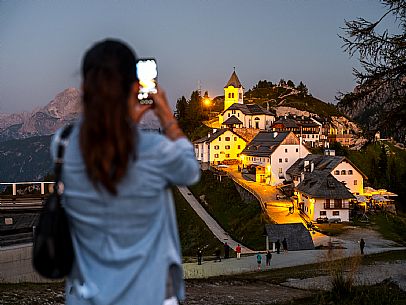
(227, 146)
(286, 159)
(227, 155)
(280, 160)
(216, 147)
(235, 138)
(216, 155)
(355, 182)
(227, 138)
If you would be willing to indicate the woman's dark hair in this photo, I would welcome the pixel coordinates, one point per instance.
(106, 135)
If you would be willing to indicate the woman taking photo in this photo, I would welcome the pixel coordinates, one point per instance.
(117, 188)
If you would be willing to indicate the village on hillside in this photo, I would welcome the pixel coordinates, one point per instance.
(275, 150)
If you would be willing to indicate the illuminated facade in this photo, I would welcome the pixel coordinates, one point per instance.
(219, 146)
(272, 153)
(233, 91)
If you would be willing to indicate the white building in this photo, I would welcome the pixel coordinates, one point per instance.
(320, 195)
(325, 185)
(339, 167)
(250, 116)
(272, 153)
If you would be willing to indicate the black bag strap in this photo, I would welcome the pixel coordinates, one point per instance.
(62, 143)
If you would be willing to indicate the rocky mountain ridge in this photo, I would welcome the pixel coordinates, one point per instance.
(382, 109)
(63, 109)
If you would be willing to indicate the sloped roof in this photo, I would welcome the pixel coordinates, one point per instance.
(265, 143)
(233, 81)
(321, 162)
(322, 184)
(287, 122)
(297, 236)
(257, 109)
(215, 135)
(232, 121)
(249, 109)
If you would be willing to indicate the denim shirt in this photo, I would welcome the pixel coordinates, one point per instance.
(125, 244)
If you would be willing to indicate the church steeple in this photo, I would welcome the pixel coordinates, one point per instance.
(233, 91)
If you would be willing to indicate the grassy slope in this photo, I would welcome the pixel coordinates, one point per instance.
(307, 103)
(244, 221)
(193, 231)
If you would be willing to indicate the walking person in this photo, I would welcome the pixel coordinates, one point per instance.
(116, 176)
(199, 256)
(285, 245)
(259, 261)
(278, 246)
(362, 246)
(238, 251)
(268, 258)
(226, 250)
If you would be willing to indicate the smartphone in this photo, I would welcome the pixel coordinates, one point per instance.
(147, 74)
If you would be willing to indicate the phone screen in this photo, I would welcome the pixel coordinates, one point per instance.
(147, 75)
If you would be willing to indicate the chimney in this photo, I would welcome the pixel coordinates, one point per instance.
(275, 134)
(214, 130)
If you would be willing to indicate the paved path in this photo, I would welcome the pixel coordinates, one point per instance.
(292, 258)
(277, 210)
(217, 230)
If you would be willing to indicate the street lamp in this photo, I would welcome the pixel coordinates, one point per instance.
(207, 103)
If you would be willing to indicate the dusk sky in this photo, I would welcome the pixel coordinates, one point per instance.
(42, 43)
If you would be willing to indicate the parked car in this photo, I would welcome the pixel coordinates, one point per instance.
(280, 196)
(334, 220)
(322, 220)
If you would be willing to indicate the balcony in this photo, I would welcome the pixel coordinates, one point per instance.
(336, 205)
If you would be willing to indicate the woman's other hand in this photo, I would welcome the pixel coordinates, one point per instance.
(136, 110)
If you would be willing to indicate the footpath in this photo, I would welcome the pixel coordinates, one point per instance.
(217, 230)
(282, 260)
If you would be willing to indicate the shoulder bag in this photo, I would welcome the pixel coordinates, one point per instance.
(53, 254)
